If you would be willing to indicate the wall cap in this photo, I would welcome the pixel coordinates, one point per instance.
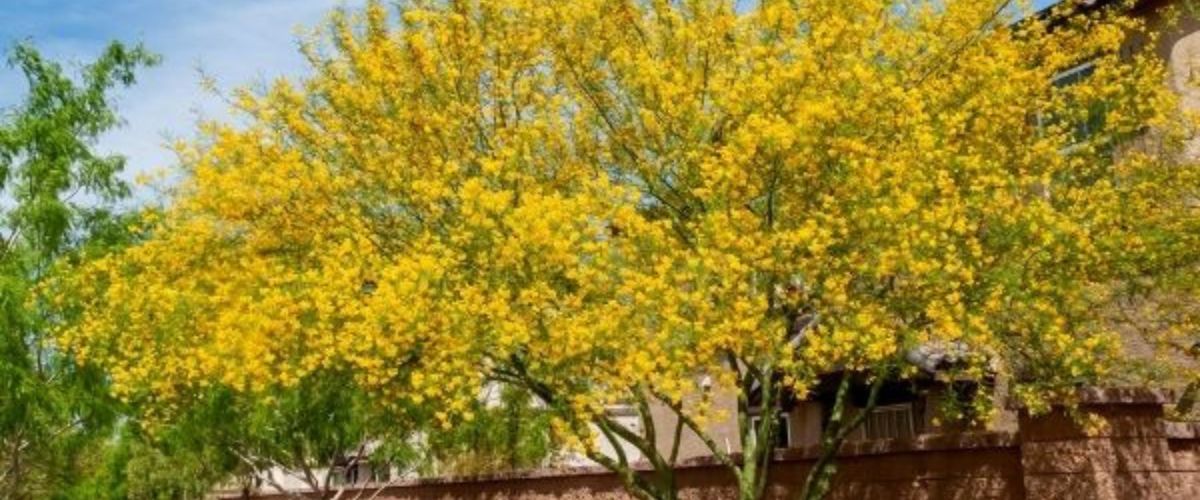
(1125, 395)
(1183, 430)
(1115, 395)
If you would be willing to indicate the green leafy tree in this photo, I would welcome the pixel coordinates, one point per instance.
(133, 466)
(507, 432)
(58, 193)
(223, 440)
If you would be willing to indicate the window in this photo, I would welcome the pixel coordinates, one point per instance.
(360, 472)
(1074, 75)
(890, 422)
(783, 431)
(354, 473)
(1092, 121)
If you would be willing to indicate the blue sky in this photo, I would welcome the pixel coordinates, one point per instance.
(235, 41)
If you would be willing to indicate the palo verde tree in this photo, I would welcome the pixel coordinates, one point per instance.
(652, 203)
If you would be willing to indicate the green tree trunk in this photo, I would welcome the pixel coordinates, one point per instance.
(820, 477)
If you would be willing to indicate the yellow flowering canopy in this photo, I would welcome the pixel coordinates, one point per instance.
(612, 196)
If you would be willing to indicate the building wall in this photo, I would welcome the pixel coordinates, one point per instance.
(721, 425)
(1135, 454)
(1179, 47)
